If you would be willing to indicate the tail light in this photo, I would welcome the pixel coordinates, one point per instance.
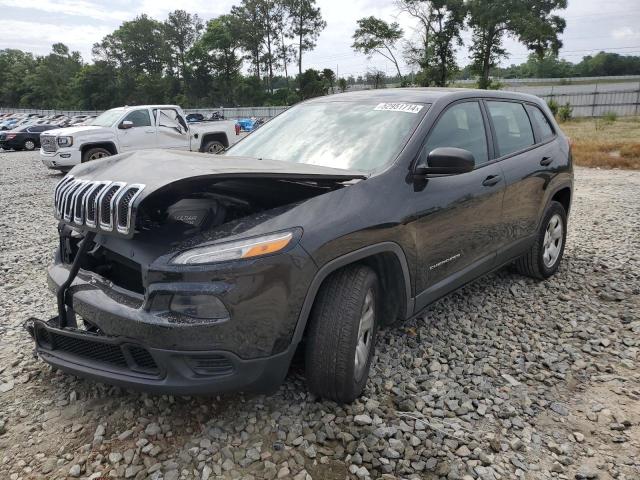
(10, 136)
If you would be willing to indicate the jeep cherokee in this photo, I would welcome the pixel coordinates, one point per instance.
(192, 274)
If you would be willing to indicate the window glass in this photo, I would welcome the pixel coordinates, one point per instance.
(541, 120)
(338, 134)
(140, 118)
(169, 118)
(512, 126)
(35, 129)
(461, 126)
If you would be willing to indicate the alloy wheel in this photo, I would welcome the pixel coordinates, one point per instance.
(552, 244)
(365, 334)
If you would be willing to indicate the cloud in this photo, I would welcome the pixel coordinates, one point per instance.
(39, 40)
(625, 33)
(81, 8)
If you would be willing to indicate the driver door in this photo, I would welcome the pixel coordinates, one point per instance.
(142, 133)
(172, 129)
(458, 216)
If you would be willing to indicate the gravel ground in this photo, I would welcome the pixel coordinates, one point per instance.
(508, 378)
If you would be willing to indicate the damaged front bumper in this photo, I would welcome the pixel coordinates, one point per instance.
(107, 333)
(120, 362)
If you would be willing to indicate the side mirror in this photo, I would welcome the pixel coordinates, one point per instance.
(447, 161)
(125, 125)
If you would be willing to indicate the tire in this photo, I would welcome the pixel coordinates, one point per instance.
(29, 145)
(95, 154)
(214, 147)
(537, 262)
(345, 297)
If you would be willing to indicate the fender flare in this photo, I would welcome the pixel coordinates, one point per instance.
(346, 259)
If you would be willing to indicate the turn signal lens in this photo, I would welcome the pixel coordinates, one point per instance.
(247, 248)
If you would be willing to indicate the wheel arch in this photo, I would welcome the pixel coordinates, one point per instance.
(387, 259)
(219, 136)
(110, 146)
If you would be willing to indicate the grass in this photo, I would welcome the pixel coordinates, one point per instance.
(605, 143)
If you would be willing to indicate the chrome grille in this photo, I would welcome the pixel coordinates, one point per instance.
(48, 143)
(100, 205)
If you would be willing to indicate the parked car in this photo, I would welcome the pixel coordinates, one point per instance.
(195, 117)
(127, 129)
(23, 138)
(198, 274)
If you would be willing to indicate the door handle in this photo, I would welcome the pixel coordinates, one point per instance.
(546, 161)
(149, 131)
(491, 180)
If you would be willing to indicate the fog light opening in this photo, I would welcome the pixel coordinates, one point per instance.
(203, 306)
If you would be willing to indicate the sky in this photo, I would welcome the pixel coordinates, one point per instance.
(592, 25)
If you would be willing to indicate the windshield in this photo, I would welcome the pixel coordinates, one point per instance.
(346, 135)
(108, 118)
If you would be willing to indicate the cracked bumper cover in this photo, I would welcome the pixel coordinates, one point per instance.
(137, 347)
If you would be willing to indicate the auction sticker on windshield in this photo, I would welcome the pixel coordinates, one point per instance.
(399, 107)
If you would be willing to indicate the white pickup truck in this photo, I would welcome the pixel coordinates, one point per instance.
(125, 129)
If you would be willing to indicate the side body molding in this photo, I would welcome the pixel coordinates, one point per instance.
(339, 262)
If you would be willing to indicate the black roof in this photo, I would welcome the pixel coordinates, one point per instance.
(422, 95)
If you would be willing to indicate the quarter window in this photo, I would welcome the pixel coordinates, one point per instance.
(461, 126)
(139, 118)
(512, 126)
(542, 122)
(171, 119)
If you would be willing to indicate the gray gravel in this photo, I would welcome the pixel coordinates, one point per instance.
(506, 379)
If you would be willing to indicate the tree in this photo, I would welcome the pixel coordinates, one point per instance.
(440, 23)
(251, 32)
(377, 36)
(530, 21)
(342, 85)
(306, 25)
(376, 78)
(15, 67)
(181, 31)
(216, 61)
(311, 84)
(329, 76)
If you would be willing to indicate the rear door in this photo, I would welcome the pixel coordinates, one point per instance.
(526, 159)
(458, 216)
(141, 135)
(172, 129)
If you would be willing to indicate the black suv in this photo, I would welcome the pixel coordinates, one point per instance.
(185, 273)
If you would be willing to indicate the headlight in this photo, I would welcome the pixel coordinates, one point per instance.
(246, 248)
(65, 141)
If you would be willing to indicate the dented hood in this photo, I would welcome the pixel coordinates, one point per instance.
(104, 195)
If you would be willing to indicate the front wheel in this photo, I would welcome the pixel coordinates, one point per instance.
(545, 255)
(342, 332)
(95, 154)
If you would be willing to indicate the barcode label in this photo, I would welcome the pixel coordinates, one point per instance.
(399, 107)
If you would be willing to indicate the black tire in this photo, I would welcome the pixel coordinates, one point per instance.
(213, 147)
(532, 263)
(95, 154)
(29, 145)
(333, 334)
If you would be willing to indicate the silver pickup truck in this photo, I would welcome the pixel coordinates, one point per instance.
(124, 129)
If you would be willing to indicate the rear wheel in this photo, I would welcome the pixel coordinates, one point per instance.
(213, 146)
(342, 332)
(95, 154)
(29, 145)
(545, 255)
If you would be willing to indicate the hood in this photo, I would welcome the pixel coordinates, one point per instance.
(74, 130)
(104, 195)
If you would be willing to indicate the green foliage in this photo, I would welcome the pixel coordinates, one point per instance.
(553, 106)
(565, 113)
(530, 21)
(610, 117)
(434, 53)
(342, 85)
(377, 36)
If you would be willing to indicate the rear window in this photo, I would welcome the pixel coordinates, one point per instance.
(512, 126)
(542, 123)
